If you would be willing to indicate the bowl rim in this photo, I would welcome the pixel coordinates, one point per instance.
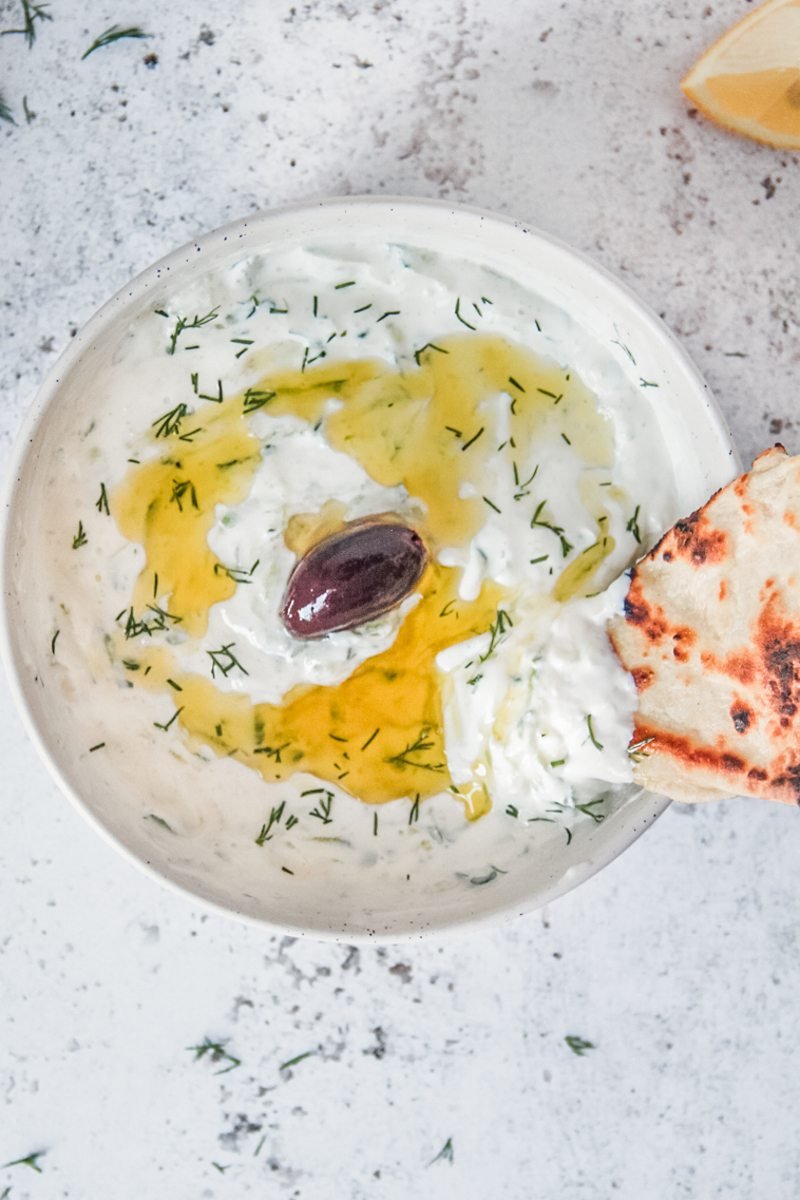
(130, 293)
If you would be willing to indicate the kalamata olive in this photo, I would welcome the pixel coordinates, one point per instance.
(348, 578)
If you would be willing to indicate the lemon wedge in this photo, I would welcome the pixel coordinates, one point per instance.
(749, 80)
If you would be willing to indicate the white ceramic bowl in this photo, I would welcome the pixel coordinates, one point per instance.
(220, 870)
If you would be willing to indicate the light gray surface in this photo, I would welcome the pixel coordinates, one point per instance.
(680, 962)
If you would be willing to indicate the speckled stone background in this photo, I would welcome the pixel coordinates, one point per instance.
(680, 963)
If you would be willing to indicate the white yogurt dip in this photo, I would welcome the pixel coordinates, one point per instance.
(536, 713)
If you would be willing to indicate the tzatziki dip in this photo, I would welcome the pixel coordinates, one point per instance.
(240, 421)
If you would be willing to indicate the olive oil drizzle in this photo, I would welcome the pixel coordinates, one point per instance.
(378, 734)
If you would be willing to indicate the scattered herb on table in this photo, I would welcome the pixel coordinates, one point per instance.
(115, 34)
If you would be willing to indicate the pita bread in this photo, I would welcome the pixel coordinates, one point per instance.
(711, 635)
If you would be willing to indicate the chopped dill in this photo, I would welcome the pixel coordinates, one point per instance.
(538, 523)
(633, 525)
(597, 745)
(80, 538)
(420, 746)
(183, 323)
(114, 34)
(224, 661)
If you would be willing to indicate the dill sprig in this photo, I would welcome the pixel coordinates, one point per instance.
(322, 810)
(579, 1045)
(101, 504)
(254, 399)
(224, 661)
(473, 439)
(274, 818)
(459, 317)
(428, 346)
(237, 574)
(413, 815)
(179, 489)
(171, 721)
(31, 13)
(523, 486)
(30, 1160)
(637, 751)
(217, 1053)
(421, 745)
(446, 1153)
(498, 630)
(633, 525)
(80, 538)
(298, 1058)
(183, 323)
(170, 422)
(114, 34)
(597, 745)
(5, 111)
(537, 522)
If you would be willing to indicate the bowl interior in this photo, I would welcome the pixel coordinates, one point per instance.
(207, 848)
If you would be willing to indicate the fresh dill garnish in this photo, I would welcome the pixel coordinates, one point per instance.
(556, 396)
(566, 439)
(512, 810)
(637, 750)
(371, 739)
(170, 422)
(413, 815)
(322, 810)
(474, 680)
(224, 661)
(242, 342)
(274, 819)
(291, 820)
(579, 1045)
(337, 287)
(31, 13)
(523, 486)
(588, 809)
(97, 746)
(428, 346)
(473, 439)
(516, 384)
(162, 616)
(336, 738)
(536, 323)
(101, 503)
(646, 383)
(445, 1154)
(220, 396)
(30, 1160)
(374, 824)
(448, 608)
(363, 308)
(179, 489)
(237, 574)
(5, 111)
(558, 762)
(298, 1058)
(172, 719)
(538, 523)
(183, 323)
(176, 687)
(253, 399)
(80, 538)
(624, 348)
(217, 1053)
(498, 630)
(491, 503)
(114, 34)
(420, 746)
(597, 745)
(633, 525)
(541, 558)
(393, 312)
(459, 317)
